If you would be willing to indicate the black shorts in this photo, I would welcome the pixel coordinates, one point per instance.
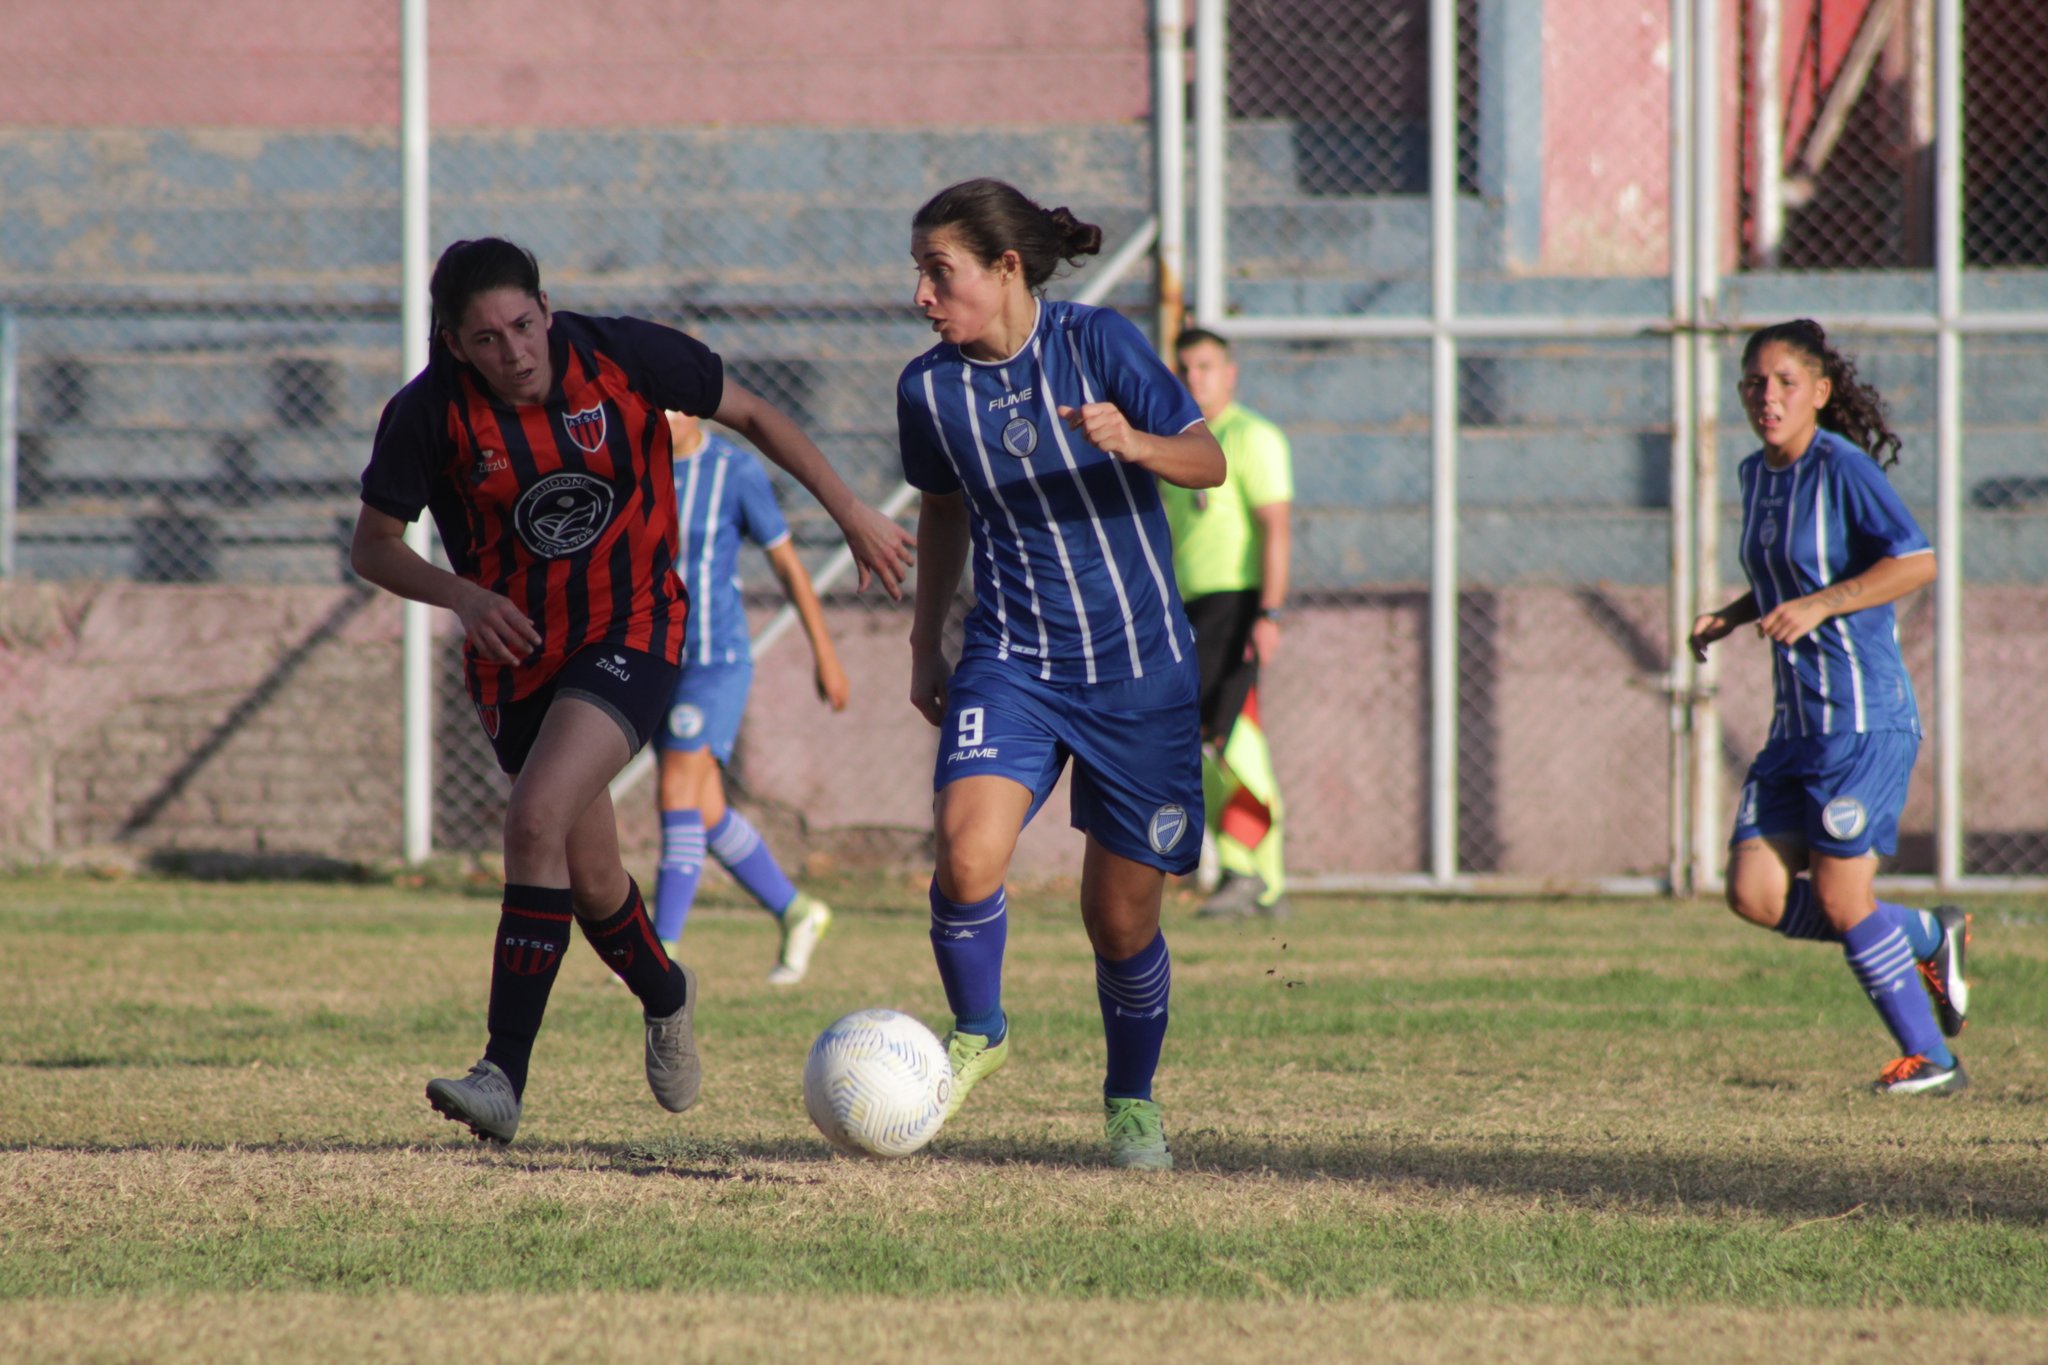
(1223, 624)
(631, 687)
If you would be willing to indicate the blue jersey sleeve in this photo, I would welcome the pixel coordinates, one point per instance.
(925, 466)
(1879, 525)
(760, 515)
(1126, 371)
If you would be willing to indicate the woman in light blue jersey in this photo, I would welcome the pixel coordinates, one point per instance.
(1037, 431)
(1828, 546)
(723, 498)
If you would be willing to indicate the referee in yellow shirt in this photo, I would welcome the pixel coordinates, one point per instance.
(1230, 553)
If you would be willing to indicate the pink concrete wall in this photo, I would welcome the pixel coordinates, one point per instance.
(542, 63)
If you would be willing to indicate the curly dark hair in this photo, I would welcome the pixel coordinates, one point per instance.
(1856, 410)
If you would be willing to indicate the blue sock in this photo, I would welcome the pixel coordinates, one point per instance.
(1882, 960)
(675, 880)
(745, 854)
(1133, 995)
(1921, 929)
(968, 942)
(1802, 917)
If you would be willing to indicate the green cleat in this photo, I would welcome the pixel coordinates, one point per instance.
(972, 1059)
(803, 924)
(1137, 1141)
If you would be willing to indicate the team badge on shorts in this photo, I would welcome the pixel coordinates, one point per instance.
(1843, 817)
(563, 513)
(1169, 823)
(490, 718)
(1020, 437)
(586, 429)
(1745, 806)
(685, 721)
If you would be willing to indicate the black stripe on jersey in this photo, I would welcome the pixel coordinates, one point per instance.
(466, 558)
(621, 565)
(520, 453)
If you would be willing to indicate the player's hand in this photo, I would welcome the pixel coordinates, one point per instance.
(930, 677)
(1265, 641)
(1107, 429)
(497, 630)
(1790, 622)
(880, 547)
(1706, 629)
(831, 680)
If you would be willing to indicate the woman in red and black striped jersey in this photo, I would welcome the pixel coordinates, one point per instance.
(537, 440)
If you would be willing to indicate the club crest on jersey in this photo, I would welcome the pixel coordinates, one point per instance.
(1767, 534)
(586, 429)
(1020, 437)
(1169, 823)
(563, 513)
(1843, 817)
(686, 721)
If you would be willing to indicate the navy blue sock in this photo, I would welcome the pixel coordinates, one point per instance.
(533, 931)
(1921, 929)
(1133, 994)
(628, 946)
(1882, 960)
(675, 879)
(968, 942)
(738, 845)
(1802, 917)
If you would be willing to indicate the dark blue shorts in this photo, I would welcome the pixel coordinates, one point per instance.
(1136, 746)
(710, 701)
(1843, 794)
(627, 685)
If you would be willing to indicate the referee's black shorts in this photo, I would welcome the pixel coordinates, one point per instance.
(1223, 624)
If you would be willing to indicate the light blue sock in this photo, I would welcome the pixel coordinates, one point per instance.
(740, 847)
(1133, 994)
(1921, 929)
(1882, 959)
(675, 880)
(1802, 917)
(968, 942)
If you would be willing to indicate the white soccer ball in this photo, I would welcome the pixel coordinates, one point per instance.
(877, 1083)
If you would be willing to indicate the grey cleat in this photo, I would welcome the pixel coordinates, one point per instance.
(1943, 973)
(483, 1100)
(673, 1072)
(1237, 898)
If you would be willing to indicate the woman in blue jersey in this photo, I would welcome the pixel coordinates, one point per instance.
(1036, 431)
(1828, 547)
(723, 498)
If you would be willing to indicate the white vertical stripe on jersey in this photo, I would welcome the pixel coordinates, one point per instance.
(698, 591)
(988, 543)
(1116, 577)
(1840, 624)
(1130, 500)
(1059, 540)
(1820, 560)
(704, 568)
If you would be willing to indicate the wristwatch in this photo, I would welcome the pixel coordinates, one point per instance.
(1271, 613)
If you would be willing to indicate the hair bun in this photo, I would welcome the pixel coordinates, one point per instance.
(1076, 237)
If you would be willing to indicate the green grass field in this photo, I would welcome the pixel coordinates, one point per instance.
(1407, 1129)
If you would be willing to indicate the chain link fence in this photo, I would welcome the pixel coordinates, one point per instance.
(199, 290)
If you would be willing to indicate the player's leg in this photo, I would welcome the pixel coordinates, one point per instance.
(1767, 854)
(1137, 789)
(976, 820)
(1854, 795)
(685, 777)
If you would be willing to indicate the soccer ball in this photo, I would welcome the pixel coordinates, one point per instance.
(877, 1083)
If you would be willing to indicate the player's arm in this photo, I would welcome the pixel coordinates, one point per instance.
(798, 589)
(942, 541)
(1885, 581)
(1276, 552)
(880, 547)
(1190, 459)
(1710, 626)
(496, 628)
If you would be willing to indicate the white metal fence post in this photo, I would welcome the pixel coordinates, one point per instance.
(413, 324)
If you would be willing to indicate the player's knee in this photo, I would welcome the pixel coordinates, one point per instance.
(531, 829)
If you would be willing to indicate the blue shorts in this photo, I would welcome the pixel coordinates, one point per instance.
(709, 702)
(1136, 746)
(1841, 793)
